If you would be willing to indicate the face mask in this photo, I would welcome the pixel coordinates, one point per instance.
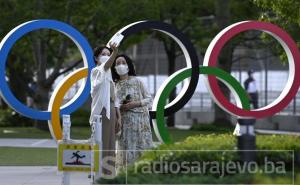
(122, 69)
(103, 59)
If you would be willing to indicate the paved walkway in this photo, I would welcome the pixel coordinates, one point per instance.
(30, 143)
(35, 175)
(34, 143)
(263, 131)
(47, 175)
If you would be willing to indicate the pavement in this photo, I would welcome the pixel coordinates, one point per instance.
(41, 175)
(28, 143)
(36, 175)
(35, 143)
(277, 132)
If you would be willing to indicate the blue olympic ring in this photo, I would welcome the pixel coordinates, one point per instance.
(15, 34)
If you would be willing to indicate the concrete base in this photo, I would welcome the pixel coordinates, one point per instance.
(37, 175)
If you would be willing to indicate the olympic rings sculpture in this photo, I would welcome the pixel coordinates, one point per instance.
(189, 74)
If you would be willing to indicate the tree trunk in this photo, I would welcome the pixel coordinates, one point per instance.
(40, 102)
(222, 8)
(17, 78)
(16, 83)
(44, 83)
(40, 99)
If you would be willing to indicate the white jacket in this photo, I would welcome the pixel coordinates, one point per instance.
(100, 91)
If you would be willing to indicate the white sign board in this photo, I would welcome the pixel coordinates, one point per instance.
(77, 157)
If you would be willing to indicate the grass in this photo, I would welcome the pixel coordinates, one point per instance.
(10, 156)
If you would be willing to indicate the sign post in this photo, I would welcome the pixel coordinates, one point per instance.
(78, 155)
(66, 138)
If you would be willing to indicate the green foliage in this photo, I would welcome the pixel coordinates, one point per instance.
(196, 179)
(284, 13)
(34, 133)
(9, 118)
(80, 118)
(284, 9)
(278, 142)
(209, 147)
(223, 142)
(98, 21)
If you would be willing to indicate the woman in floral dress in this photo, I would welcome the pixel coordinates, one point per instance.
(135, 134)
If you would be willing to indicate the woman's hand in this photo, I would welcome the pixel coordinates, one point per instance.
(114, 47)
(129, 105)
(124, 107)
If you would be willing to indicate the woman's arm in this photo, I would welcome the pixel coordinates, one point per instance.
(111, 59)
(146, 99)
(97, 77)
(118, 120)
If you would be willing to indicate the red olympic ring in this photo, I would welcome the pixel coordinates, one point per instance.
(293, 55)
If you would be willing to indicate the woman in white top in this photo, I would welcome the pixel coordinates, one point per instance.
(104, 102)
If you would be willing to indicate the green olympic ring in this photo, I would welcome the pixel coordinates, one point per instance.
(226, 78)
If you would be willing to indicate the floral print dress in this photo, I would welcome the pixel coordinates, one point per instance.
(136, 133)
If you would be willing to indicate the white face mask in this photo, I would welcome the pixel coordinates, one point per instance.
(103, 59)
(122, 69)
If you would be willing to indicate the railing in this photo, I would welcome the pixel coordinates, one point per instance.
(203, 102)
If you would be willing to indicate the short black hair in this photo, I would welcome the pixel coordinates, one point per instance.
(98, 50)
(131, 68)
(251, 71)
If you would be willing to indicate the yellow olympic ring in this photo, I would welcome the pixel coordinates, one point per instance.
(57, 99)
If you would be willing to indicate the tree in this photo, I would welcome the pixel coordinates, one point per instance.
(222, 11)
(284, 13)
(201, 21)
(44, 51)
(228, 12)
(49, 49)
(186, 17)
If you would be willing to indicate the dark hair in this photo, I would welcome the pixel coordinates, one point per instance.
(98, 50)
(131, 68)
(251, 71)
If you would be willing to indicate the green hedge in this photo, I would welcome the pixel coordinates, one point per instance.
(225, 142)
(212, 142)
(9, 118)
(205, 179)
(80, 118)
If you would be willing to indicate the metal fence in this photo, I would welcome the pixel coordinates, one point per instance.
(204, 103)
